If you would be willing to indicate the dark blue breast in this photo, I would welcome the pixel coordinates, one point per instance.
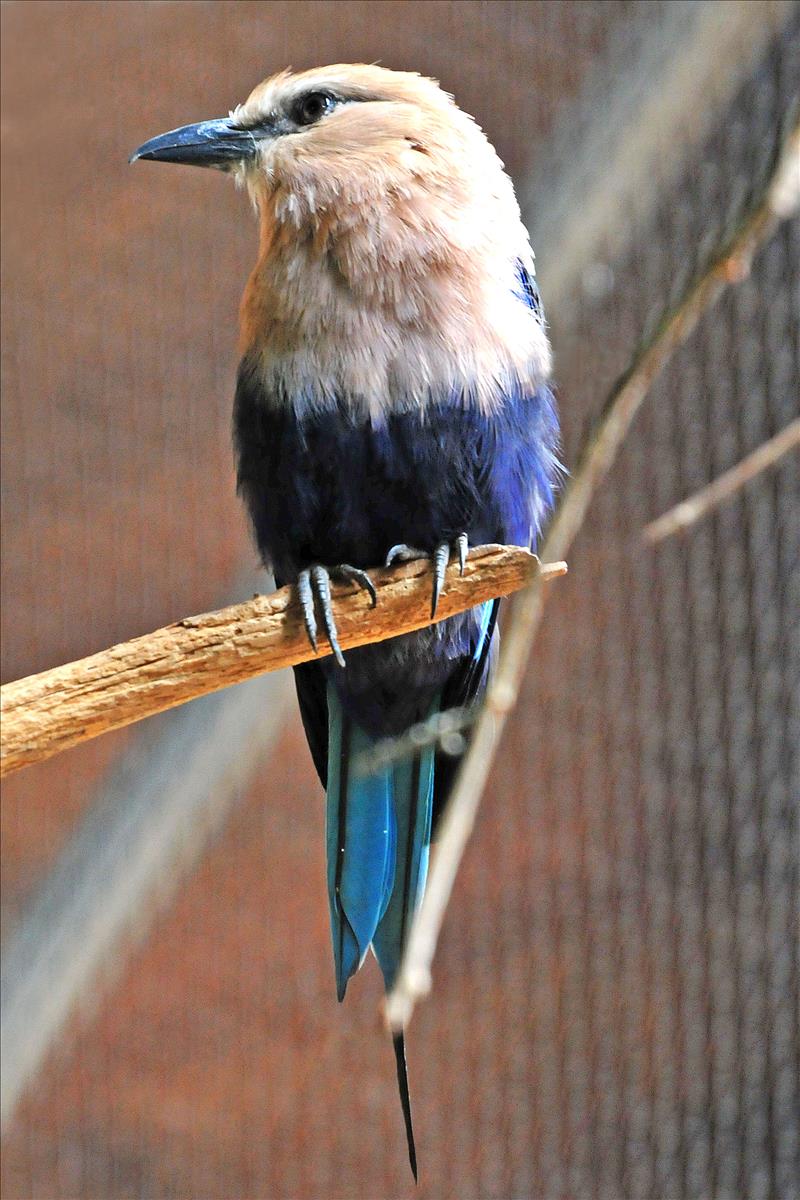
(330, 488)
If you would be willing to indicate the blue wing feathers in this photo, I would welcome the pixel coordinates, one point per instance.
(487, 612)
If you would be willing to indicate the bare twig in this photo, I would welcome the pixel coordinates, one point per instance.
(49, 712)
(728, 264)
(443, 729)
(693, 509)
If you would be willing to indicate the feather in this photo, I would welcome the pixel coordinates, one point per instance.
(360, 843)
(399, 1043)
(327, 487)
(390, 238)
(412, 795)
(378, 839)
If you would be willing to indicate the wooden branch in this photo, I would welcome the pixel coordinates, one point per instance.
(49, 712)
(728, 264)
(693, 509)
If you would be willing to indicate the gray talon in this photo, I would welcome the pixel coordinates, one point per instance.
(314, 585)
(306, 595)
(462, 545)
(403, 553)
(441, 557)
(345, 571)
(322, 586)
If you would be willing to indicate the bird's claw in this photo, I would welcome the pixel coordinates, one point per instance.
(403, 553)
(314, 585)
(306, 594)
(356, 575)
(440, 558)
(462, 546)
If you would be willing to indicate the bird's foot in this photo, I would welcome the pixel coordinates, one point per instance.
(440, 558)
(314, 585)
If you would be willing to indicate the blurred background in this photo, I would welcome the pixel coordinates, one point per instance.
(615, 1011)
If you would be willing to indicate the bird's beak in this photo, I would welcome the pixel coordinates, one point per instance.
(208, 144)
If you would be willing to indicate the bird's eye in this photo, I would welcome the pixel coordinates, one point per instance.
(311, 107)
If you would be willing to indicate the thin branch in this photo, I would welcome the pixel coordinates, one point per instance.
(445, 730)
(49, 712)
(728, 264)
(693, 509)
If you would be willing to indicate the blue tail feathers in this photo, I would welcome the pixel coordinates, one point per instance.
(378, 837)
(360, 842)
(378, 833)
(412, 791)
(378, 840)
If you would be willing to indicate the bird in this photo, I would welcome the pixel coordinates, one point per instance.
(393, 401)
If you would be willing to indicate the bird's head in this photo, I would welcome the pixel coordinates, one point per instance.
(386, 217)
(334, 136)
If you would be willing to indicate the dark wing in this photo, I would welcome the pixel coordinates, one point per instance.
(311, 688)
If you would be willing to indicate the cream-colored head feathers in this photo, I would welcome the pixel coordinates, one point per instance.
(390, 241)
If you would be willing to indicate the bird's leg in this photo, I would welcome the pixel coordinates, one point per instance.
(314, 585)
(440, 557)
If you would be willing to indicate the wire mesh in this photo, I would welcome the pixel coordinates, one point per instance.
(616, 992)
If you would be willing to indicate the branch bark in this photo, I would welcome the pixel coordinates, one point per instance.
(56, 709)
(728, 264)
